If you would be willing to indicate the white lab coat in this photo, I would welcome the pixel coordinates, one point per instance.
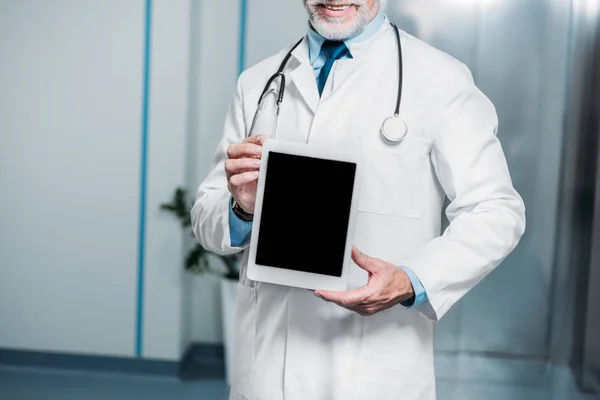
(292, 345)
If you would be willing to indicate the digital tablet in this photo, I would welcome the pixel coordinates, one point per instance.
(304, 216)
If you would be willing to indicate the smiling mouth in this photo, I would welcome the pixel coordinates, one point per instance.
(337, 8)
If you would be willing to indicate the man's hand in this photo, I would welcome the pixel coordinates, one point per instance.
(388, 285)
(241, 169)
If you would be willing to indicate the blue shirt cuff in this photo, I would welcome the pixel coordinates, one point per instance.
(420, 294)
(239, 230)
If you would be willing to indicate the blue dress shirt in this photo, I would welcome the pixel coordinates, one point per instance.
(315, 41)
(240, 230)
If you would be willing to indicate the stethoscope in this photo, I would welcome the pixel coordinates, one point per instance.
(393, 129)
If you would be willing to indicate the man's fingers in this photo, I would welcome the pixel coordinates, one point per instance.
(364, 261)
(235, 166)
(256, 139)
(241, 179)
(251, 147)
(244, 150)
(346, 299)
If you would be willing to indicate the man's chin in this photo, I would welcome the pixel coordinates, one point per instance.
(335, 30)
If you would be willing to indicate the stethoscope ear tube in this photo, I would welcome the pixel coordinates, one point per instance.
(281, 89)
(279, 73)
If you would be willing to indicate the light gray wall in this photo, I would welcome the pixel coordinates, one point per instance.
(163, 278)
(214, 71)
(70, 148)
(70, 134)
(271, 26)
(70, 142)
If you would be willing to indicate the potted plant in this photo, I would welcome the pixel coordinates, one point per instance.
(197, 261)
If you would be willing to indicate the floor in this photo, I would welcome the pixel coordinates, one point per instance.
(30, 384)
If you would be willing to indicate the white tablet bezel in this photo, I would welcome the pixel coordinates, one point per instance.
(281, 276)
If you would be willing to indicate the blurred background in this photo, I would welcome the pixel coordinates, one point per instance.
(108, 107)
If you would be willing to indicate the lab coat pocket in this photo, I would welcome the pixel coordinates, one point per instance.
(245, 341)
(391, 183)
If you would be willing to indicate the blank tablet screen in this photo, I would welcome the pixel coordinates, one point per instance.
(305, 214)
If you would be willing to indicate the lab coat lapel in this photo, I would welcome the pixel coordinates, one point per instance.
(303, 76)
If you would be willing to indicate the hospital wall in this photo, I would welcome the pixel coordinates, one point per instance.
(84, 270)
(215, 63)
(80, 259)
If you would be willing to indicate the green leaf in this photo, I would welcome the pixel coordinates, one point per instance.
(196, 260)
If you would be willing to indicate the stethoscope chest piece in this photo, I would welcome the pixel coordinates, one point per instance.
(394, 129)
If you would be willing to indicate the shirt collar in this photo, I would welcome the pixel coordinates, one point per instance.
(315, 40)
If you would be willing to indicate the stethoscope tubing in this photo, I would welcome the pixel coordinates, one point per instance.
(282, 83)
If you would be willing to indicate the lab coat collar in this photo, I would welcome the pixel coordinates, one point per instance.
(303, 75)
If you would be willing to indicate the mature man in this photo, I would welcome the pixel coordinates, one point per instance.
(374, 341)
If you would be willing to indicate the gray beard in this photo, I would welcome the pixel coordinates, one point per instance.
(332, 29)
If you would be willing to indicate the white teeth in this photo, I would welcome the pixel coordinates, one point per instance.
(337, 8)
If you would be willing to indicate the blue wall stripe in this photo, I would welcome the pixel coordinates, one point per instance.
(143, 176)
(243, 25)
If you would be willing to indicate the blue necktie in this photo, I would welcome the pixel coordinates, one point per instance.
(334, 50)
